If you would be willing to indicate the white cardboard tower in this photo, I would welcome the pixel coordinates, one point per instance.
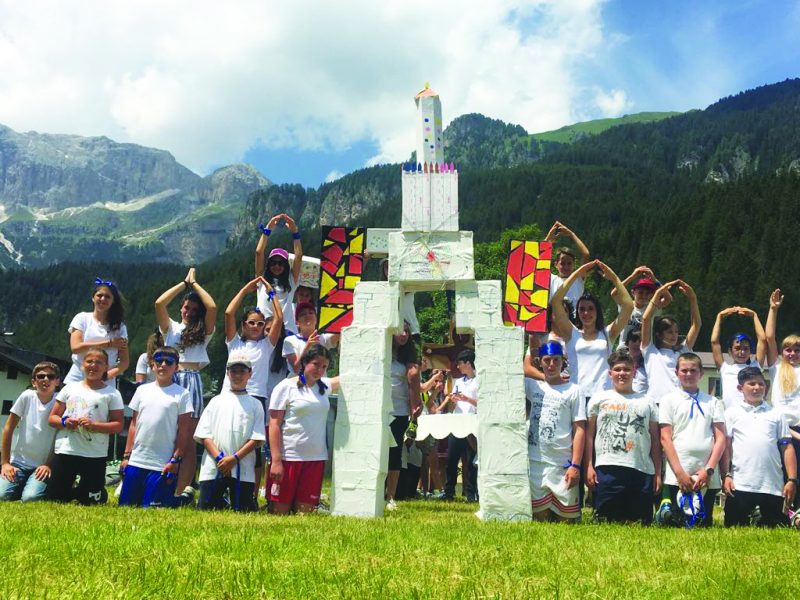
(426, 254)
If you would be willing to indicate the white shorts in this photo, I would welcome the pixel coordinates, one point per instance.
(549, 491)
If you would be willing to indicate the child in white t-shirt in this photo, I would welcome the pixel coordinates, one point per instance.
(566, 261)
(298, 414)
(784, 370)
(26, 465)
(623, 453)
(84, 414)
(693, 439)
(191, 338)
(758, 442)
(556, 438)
(283, 278)
(294, 345)
(158, 437)
(231, 429)
(256, 340)
(104, 328)
(661, 343)
(741, 351)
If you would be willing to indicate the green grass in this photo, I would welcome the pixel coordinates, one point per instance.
(426, 549)
(569, 133)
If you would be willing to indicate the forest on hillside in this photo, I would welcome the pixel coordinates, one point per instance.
(712, 197)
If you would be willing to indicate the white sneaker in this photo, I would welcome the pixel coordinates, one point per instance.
(391, 505)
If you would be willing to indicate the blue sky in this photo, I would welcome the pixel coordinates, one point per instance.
(309, 91)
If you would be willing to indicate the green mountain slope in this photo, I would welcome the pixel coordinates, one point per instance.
(572, 133)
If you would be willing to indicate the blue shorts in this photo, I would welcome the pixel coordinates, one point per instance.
(142, 487)
(623, 495)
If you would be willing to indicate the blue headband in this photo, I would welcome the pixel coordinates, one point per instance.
(551, 349)
(740, 337)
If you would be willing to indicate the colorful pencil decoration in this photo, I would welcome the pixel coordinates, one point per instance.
(527, 285)
(341, 262)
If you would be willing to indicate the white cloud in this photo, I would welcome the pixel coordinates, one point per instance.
(208, 80)
(613, 103)
(333, 176)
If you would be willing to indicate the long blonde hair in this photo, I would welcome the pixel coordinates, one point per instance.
(786, 377)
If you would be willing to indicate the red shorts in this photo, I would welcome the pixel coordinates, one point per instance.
(302, 483)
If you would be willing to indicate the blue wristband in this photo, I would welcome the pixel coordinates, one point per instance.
(270, 295)
(220, 456)
(64, 421)
(175, 461)
(296, 235)
(263, 228)
(236, 456)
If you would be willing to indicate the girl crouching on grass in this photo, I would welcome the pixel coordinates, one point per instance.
(298, 414)
(84, 415)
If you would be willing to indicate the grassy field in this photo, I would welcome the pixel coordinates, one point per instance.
(426, 549)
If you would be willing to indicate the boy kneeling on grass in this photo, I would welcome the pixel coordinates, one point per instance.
(693, 438)
(158, 436)
(757, 437)
(230, 429)
(26, 468)
(555, 439)
(623, 432)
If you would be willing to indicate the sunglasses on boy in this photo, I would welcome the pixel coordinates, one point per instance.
(43, 376)
(166, 359)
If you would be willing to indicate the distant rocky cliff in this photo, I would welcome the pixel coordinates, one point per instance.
(69, 197)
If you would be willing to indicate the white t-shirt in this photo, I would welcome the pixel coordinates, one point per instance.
(143, 368)
(573, 294)
(660, 366)
(788, 404)
(729, 377)
(304, 425)
(231, 420)
(588, 360)
(692, 431)
(399, 389)
(468, 387)
(554, 408)
(33, 437)
(193, 354)
(756, 432)
(260, 354)
(285, 299)
(82, 401)
(157, 423)
(295, 343)
(622, 436)
(93, 331)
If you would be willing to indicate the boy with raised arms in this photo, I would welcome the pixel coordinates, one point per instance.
(622, 431)
(566, 262)
(758, 437)
(555, 439)
(158, 436)
(693, 439)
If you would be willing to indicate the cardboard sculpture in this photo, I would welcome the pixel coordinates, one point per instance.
(428, 253)
(341, 265)
(527, 285)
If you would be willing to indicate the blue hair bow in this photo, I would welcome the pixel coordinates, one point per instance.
(98, 281)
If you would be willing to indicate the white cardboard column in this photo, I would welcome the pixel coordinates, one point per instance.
(361, 433)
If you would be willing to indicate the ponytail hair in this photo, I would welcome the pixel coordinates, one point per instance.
(786, 378)
(315, 351)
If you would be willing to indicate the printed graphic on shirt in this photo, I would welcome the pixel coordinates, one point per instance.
(621, 427)
(544, 421)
